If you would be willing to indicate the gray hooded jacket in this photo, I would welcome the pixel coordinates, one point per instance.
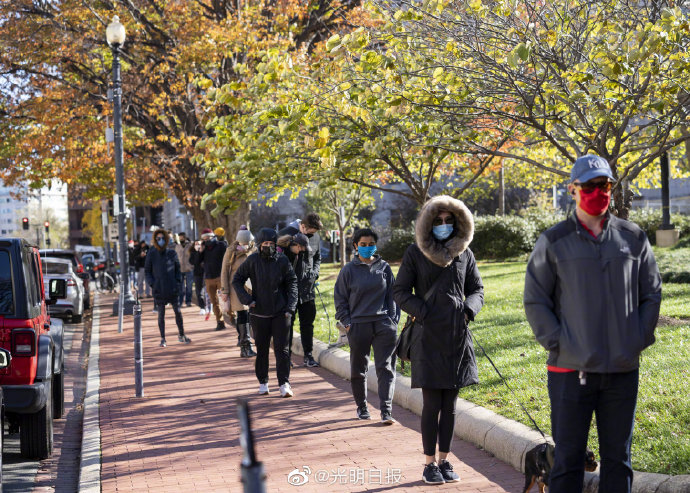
(593, 302)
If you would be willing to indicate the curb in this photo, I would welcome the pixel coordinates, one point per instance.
(506, 439)
(90, 462)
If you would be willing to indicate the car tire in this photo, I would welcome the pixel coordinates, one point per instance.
(59, 394)
(36, 430)
(76, 319)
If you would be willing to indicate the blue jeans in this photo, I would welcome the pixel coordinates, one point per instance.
(186, 291)
(613, 398)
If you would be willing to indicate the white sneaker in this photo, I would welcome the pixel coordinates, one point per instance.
(286, 390)
(263, 389)
(202, 311)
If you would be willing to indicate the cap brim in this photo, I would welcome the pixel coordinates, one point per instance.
(594, 173)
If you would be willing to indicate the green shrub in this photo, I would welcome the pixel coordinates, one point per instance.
(501, 237)
(650, 220)
(542, 220)
(398, 241)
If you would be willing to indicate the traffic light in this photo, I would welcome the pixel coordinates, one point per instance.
(25, 223)
(47, 226)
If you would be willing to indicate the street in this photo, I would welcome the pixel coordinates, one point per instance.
(59, 473)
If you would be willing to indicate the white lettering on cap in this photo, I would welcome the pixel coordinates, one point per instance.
(595, 163)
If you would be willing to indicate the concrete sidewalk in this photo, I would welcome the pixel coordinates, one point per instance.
(183, 434)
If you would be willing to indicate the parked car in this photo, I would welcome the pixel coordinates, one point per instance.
(33, 384)
(5, 360)
(77, 264)
(72, 306)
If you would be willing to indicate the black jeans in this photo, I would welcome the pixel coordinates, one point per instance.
(613, 398)
(160, 307)
(382, 335)
(277, 328)
(438, 419)
(307, 315)
(198, 287)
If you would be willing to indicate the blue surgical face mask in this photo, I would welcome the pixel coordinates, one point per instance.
(366, 252)
(442, 231)
(161, 242)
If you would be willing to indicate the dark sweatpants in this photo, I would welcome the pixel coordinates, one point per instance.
(307, 315)
(277, 328)
(160, 308)
(382, 335)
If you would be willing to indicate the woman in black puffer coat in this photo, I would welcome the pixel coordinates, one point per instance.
(442, 355)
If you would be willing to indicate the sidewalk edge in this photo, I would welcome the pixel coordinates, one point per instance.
(90, 462)
(506, 439)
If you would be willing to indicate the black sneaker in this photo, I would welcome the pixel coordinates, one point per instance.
(432, 474)
(447, 472)
(387, 418)
(163, 343)
(363, 412)
(184, 339)
(220, 326)
(310, 361)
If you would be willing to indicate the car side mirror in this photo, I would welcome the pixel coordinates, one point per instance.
(5, 358)
(57, 289)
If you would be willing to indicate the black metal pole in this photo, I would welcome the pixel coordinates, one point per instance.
(120, 183)
(665, 196)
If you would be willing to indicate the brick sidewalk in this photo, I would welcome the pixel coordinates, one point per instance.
(183, 435)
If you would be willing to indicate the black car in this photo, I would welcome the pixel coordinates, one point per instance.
(77, 265)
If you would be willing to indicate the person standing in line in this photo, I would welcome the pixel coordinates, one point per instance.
(234, 257)
(272, 304)
(364, 306)
(132, 262)
(140, 255)
(212, 253)
(307, 268)
(183, 248)
(195, 260)
(448, 294)
(592, 297)
(162, 270)
(220, 235)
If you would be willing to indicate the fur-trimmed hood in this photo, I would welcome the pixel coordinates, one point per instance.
(443, 253)
(167, 239)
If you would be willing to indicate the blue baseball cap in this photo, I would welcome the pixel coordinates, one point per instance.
(590, 166)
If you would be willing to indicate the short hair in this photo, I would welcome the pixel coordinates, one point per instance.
(312, 220)
(360, 233)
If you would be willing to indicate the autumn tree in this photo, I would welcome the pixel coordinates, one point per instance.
(55, 68)
(573, 77)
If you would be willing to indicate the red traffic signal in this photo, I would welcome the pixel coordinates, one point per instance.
(47, 226)
(25, 223)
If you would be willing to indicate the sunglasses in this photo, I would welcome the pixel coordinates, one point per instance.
(159, 238)
(448, 220)
(589, 187)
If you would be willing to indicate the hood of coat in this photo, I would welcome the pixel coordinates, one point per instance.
(165, 235)
(443, 253)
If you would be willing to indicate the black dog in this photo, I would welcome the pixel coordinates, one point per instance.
(538, 464)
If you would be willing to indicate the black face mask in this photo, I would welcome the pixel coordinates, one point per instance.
(268, 251)
(309, 235)
(209, 243)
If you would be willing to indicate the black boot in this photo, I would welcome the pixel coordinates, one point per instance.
(239, 335)
(246, 350)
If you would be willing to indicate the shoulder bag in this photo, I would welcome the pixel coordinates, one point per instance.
(404, 343)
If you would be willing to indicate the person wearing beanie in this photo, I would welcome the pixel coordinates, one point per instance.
(235, 256)
(211, 256)
(198, 272)
(183, 248)
(307, 267)
(438, 284)
(272, 303)
(220, 234)
(163, 274)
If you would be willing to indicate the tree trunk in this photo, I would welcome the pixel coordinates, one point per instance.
(343, 247)
(622, 200)
(230, 223)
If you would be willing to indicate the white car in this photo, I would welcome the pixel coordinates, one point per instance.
(72, 306)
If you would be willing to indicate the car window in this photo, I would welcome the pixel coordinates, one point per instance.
(54, 267)
(26, 265)
(67, 256)
(6, 287)
(36, 278)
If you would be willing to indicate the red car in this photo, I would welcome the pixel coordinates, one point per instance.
(33, 383)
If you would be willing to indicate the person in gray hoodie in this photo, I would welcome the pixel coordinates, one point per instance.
(364, 305)
(592, 298)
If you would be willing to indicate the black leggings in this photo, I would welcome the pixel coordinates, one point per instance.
(242, 317)
(198, 286)
(160, 306)
(438, 401)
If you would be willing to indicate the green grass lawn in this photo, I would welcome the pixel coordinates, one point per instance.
(662, 430)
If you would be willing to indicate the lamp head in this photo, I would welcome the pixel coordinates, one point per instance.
(115, 32)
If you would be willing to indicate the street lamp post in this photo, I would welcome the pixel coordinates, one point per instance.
(115, 35)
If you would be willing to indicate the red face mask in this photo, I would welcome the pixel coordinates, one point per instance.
(596, 202)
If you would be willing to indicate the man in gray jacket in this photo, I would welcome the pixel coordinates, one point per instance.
(592, 298)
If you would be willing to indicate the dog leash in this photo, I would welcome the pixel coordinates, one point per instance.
(506, 383)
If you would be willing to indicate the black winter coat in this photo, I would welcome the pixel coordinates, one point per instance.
(163, 274)
(442, 354)
(212, 259)
(139, 261)
(274, 284)
(308, 264)
(195, 260)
